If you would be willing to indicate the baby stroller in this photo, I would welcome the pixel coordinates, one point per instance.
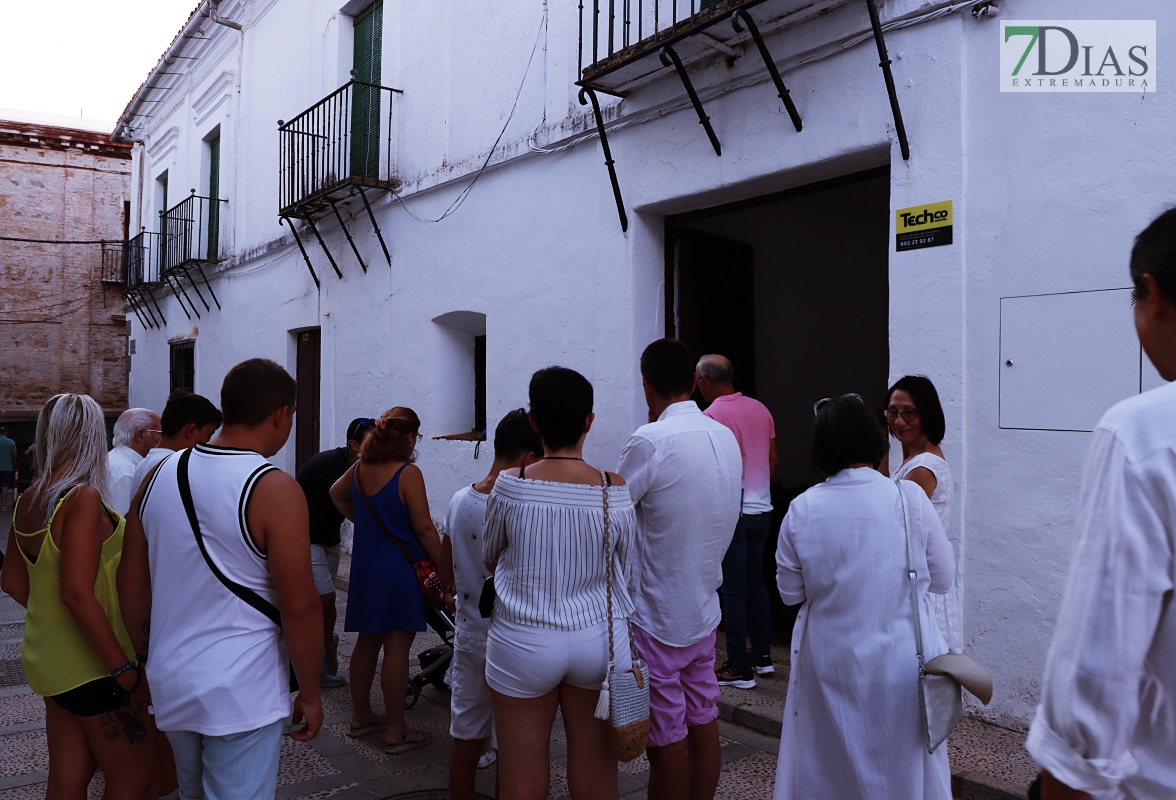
(434, 661)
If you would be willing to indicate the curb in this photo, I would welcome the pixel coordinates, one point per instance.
(966, 784)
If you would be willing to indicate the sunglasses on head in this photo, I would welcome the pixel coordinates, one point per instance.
(824, 401)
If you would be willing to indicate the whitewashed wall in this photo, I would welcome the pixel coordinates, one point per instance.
(1048, 190)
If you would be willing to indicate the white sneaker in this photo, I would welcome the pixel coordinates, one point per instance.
(488, 758)
(767, 670)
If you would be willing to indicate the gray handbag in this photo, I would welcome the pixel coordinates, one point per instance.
(941, 678)
(624, 695)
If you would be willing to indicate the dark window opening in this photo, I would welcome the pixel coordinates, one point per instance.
(183, 366)
(480, 384)
(213, 251)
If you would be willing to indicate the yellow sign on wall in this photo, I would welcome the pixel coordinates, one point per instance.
(922, 226)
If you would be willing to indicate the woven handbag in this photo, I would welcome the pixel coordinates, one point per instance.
(624, 695)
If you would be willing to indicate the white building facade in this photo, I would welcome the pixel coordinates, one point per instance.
(1043, 123)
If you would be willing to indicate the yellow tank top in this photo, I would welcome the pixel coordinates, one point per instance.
(54, 652)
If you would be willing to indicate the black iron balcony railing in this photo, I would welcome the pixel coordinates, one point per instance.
(142, 261)
(114, 262)
(190, 232)
(343, 140)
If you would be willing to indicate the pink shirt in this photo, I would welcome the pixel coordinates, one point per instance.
(754, 428)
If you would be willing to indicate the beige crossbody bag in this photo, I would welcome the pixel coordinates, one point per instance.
(941, 678)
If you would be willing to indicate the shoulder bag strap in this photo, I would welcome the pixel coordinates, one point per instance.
(367, 501)
(246, 595)
(604, 484)
(912, 574)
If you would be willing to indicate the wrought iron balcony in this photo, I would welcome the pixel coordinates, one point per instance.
(190, 232)
(142, 278)
(332, 153)
(617, 36)
(341, 142)
(114, 262)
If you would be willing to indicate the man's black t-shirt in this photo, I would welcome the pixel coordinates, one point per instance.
(316, 477)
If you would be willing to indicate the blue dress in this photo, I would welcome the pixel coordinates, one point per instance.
(383, 593)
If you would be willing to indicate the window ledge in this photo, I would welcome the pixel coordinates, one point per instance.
(468, 436)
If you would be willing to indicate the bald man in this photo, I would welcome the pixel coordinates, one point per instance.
(746, 608)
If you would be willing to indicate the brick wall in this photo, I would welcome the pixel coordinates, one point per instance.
(61, 327)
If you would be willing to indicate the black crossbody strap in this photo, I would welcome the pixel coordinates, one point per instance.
(247, 595)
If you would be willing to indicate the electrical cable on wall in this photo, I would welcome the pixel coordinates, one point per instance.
(456, 204)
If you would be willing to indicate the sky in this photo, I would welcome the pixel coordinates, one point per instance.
(81, 58)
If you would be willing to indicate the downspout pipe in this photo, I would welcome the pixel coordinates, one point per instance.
(228, 23)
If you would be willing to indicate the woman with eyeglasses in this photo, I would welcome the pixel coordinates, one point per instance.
(915, 419)
(383, 493)
(852, 724)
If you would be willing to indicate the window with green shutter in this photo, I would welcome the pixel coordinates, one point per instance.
(365, 108)
(213, 197)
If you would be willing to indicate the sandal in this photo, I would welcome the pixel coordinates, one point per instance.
(403, 745)
(376, 723)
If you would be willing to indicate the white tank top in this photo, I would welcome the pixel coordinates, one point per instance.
(217, 666)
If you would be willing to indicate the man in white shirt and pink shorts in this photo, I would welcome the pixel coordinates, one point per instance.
(683, 472)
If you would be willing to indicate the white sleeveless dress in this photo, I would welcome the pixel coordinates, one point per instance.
(946, 606)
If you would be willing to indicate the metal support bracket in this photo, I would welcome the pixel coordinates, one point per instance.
(196, 287)
(669, 57)
(207, 285)
(156, 302)
(375, 225)
(130, 298)
(586, 94)
(174, 283)
(323, 245)
(346, 233)
(899, 128)
(740, 19)
(301, 249)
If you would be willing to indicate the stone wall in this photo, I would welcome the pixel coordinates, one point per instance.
(61, 327)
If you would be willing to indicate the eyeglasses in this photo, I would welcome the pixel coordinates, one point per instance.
(907, 414)
(817, 406)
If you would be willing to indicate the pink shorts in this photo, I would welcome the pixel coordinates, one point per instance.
(683, 690)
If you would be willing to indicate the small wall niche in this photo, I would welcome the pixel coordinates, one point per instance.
(461, 408)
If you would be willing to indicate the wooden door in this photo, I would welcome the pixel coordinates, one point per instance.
(306, 419)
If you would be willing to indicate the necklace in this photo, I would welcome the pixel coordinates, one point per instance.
(562, 458)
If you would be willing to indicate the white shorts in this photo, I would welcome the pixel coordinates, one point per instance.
(525, 661)
(324, 566)
(471, 716)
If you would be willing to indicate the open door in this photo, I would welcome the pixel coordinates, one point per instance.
(715, 309)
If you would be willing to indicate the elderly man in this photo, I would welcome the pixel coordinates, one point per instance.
(746, 608)
(135, 433)
(1104, 727)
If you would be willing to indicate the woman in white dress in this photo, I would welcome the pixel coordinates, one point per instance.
(916, 421)
(852, 726)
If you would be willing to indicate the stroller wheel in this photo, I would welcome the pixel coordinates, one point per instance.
(411, 695)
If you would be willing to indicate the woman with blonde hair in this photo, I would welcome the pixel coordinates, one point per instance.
(76, 651)
(383, 493)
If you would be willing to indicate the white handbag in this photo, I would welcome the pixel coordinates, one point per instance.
(941, 678)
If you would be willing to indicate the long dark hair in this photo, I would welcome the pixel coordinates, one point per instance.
(922, 392)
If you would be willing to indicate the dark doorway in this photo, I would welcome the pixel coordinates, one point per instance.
(794, 289)
(306, 420)
(715, 284)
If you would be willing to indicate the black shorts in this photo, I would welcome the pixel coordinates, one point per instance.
(6, 478)
(91, 699)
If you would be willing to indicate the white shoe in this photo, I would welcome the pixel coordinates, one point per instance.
(768, 670)
(488, 758)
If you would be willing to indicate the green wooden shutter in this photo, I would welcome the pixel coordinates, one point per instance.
(365, 104)
(213, 199)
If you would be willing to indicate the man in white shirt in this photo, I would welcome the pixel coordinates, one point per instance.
(188, 419)
(1106, 725)
(684, 473)
(135, 433)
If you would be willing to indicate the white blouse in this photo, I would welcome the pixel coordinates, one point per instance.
(947, 605)
(548, 541)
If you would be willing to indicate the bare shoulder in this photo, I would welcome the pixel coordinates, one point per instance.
(275, 489)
